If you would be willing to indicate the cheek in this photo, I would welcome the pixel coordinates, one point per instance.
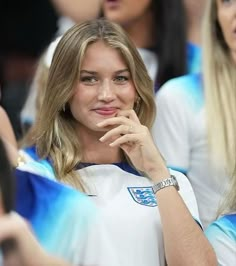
(130, 95)
(222, 19)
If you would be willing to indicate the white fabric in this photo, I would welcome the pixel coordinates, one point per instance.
(151, 62)
(123, 232)
(180, 133)
(133, 230)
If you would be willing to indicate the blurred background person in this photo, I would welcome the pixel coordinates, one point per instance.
(158, 29)
(194, 15)
(75, 11)
(8, 136)
(25, 249)
(26, 29)
(195, 127)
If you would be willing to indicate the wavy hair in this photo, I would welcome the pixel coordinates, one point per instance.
(55, 132)
(220, 91)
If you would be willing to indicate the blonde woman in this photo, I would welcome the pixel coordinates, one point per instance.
(222, 107)
(101, 193)
(196, 123)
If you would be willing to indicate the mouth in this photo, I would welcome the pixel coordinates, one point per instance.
(106, 111)
(111, 4)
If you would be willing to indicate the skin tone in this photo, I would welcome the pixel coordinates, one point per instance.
(137, 20)
(6, 130)
(78, 10)
(8, 137)
(226, 12)
(105, 131)
(194, 11)
(105, 89)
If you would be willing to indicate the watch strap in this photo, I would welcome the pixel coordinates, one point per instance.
(170, 181)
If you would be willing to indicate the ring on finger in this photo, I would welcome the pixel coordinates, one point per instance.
(130, 129)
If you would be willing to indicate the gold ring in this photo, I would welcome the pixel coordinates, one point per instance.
(130, 129)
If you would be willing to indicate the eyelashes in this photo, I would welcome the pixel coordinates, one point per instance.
(120, 79)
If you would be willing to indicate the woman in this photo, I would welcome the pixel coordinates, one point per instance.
(222, 232)
(92, 199)
(196, 125)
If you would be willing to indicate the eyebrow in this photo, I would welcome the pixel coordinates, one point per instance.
(94, 72)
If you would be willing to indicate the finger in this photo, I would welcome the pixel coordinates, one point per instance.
(128, 139)
(117, 132)
(129, 114)
(118, 120)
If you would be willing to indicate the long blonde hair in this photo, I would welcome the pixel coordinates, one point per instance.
(55, 132)
(220, 91)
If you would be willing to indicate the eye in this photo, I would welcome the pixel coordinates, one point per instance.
(121, 79)
(226, 1)
(88, 79)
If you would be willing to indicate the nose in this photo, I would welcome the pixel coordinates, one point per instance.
(106, 92)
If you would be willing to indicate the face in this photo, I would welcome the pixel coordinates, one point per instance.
(105, 86)
(125, 11)
(226, 12)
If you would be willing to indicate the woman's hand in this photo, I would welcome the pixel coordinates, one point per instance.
(136, 141)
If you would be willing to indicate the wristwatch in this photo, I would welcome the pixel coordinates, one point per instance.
(171, 181)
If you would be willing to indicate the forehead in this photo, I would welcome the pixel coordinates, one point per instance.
(101, 53)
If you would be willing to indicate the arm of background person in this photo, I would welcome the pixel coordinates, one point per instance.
(26, 251)
(6, 130)
(78, 10)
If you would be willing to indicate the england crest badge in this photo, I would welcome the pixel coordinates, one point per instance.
(143, 196)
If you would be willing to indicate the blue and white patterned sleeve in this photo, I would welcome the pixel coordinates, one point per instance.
(222, 236)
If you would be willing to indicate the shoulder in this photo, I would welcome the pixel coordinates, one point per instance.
(184, 90)
(186, 84)
(225, 225)
(41, 168)
(222, 236)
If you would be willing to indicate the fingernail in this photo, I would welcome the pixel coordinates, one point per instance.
(101, 139)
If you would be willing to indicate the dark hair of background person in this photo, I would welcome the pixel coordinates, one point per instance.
(171, 40)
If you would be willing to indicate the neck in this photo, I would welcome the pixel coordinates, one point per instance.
(194, 33)
(141, 30)
(195, 12)
(95, 151)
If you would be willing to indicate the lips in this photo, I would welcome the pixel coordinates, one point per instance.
(111, 3)
(106, 111)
